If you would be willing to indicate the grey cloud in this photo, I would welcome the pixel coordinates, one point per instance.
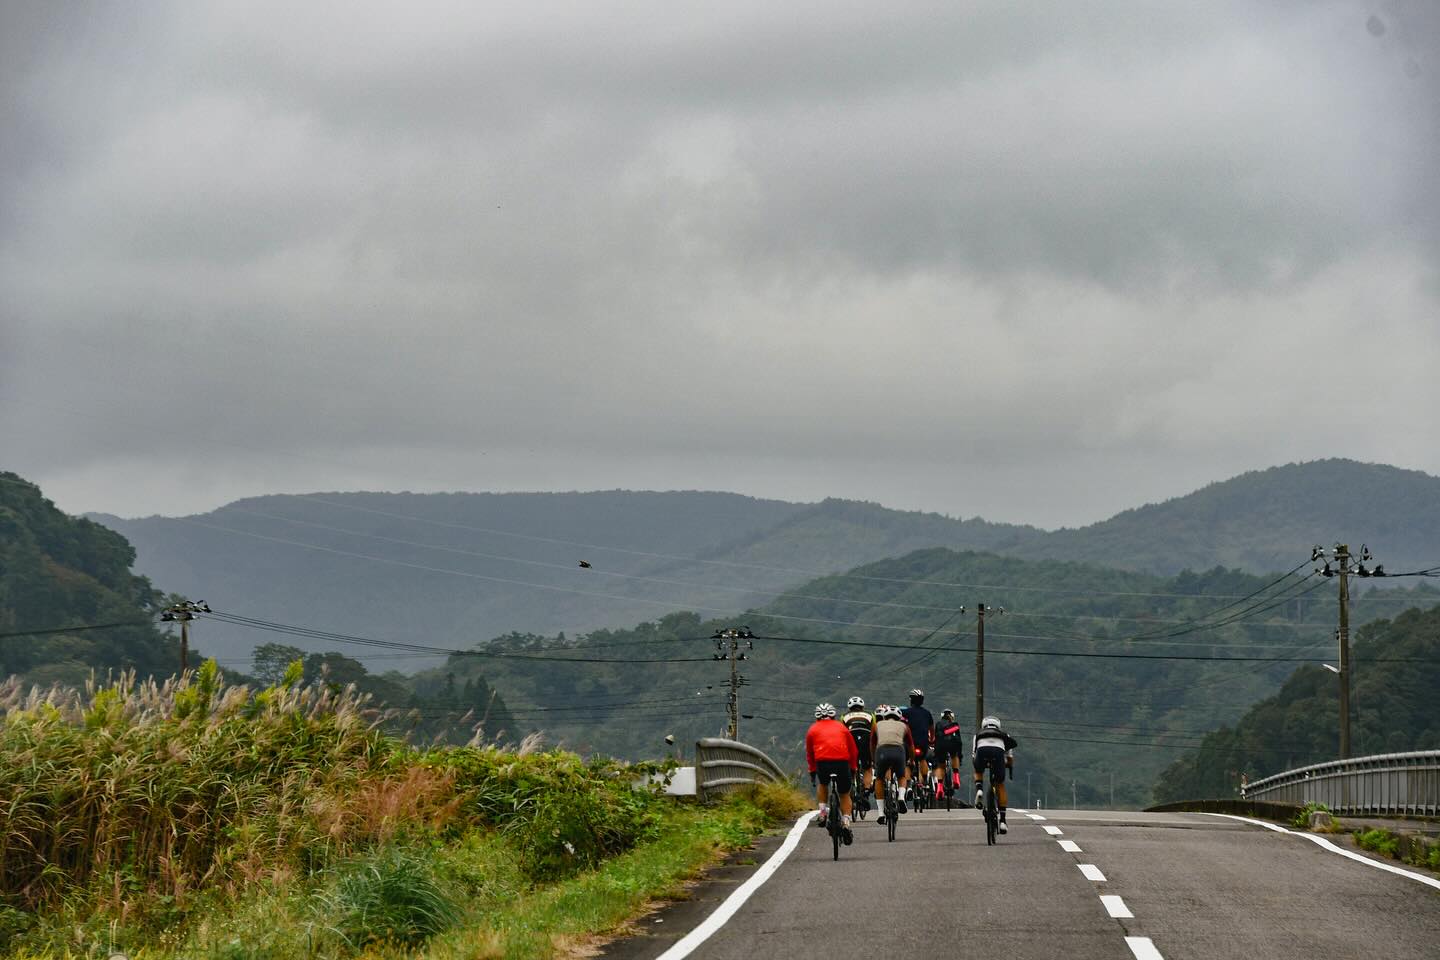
(495, 240)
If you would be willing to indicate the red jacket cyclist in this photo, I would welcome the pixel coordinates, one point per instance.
(829, 748)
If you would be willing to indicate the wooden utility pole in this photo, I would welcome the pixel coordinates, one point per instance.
(182, 613)
(1342, 559)
(979, 665)
(1343, 568)
(727, 647)
(980, 611)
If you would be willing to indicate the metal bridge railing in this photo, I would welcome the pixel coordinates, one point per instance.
(724, 765)
(1387, 783)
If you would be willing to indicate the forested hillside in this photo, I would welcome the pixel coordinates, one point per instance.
(1100, 672)
(70, 580)
(467, 567)
(1267, 520)
(456, 569)
(1393, 701)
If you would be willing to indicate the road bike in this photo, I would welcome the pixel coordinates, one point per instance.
(919, 788)
(892, 804)
(989, 808)
(833, 822)
(859, 805)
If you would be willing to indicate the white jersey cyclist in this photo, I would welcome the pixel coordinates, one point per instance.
(993, 749)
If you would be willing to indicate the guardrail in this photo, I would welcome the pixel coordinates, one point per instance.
(724, 765)
(1387, 783)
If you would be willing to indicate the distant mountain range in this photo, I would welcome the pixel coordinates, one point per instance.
(457, 569)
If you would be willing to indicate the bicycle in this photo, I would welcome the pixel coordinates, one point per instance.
(892, 804)
(918, 787)
(859, 805)
(833, 822)
(990, 810)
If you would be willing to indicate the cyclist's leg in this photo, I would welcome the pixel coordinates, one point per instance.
(997, 774)
(979, 765)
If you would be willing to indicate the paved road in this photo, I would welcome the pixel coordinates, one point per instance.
(1196, 886)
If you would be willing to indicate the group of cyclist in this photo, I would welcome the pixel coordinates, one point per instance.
(899, 739)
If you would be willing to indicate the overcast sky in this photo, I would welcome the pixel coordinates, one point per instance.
(1038, 262)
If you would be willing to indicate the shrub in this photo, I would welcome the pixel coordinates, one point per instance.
(1302, 818)
(562, 813)
(1380, 840)
(778, 801)
(390, 897)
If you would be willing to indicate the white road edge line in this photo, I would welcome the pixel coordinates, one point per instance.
(1069, 846)
(1092, 872)
(1143, 948)
(1326, 844)
(1115, 906)
(1053, 831)
(686, 944)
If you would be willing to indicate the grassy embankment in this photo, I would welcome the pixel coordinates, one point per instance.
(197, 820)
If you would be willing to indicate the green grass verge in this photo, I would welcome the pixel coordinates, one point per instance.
(469, 898)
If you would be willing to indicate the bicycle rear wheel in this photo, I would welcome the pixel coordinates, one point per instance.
(992, 817)
(892, 808)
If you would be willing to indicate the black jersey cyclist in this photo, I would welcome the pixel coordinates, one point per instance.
(862, 725)
(949, 748)
(922, 731)
(992, 749)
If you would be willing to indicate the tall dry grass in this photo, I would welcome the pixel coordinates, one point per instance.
(171, 786)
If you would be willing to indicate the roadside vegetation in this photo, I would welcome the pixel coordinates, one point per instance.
(1409, 848)
(195, 819)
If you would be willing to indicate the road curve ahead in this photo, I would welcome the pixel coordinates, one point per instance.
(1072, 884)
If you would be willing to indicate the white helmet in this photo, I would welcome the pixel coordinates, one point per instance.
(917, 694)
(990, 723)
(855, 703)
(888, 712)
(825, 711)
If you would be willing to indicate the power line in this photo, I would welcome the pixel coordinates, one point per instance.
(292, 630)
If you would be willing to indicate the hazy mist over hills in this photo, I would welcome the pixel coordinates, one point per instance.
(458, 569)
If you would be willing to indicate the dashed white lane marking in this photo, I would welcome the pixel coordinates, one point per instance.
(1069, 846)
(1092, 872)
(1034, 816)
(1321, 841)
(1143, 948)
(1053, 831)
(1115, 906)
(684, 946)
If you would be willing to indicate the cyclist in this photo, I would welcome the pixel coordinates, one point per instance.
(861, 724)
(994, 749)
(922, 732)
(829, 748)
(949, 747)
(892, 744)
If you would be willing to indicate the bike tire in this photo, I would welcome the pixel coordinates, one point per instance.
(992, 818)
(833, 822)
(892, 809)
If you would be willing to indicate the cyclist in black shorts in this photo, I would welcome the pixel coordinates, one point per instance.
(949, 747)
(992, 749)
(892, 745)
(922, 731)
(862, 724)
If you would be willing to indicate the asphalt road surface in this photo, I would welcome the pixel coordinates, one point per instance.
(1076, 884)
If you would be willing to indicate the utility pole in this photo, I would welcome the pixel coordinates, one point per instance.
(728, 647)
(980, 611)
(182, 613)
(1343, 568)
